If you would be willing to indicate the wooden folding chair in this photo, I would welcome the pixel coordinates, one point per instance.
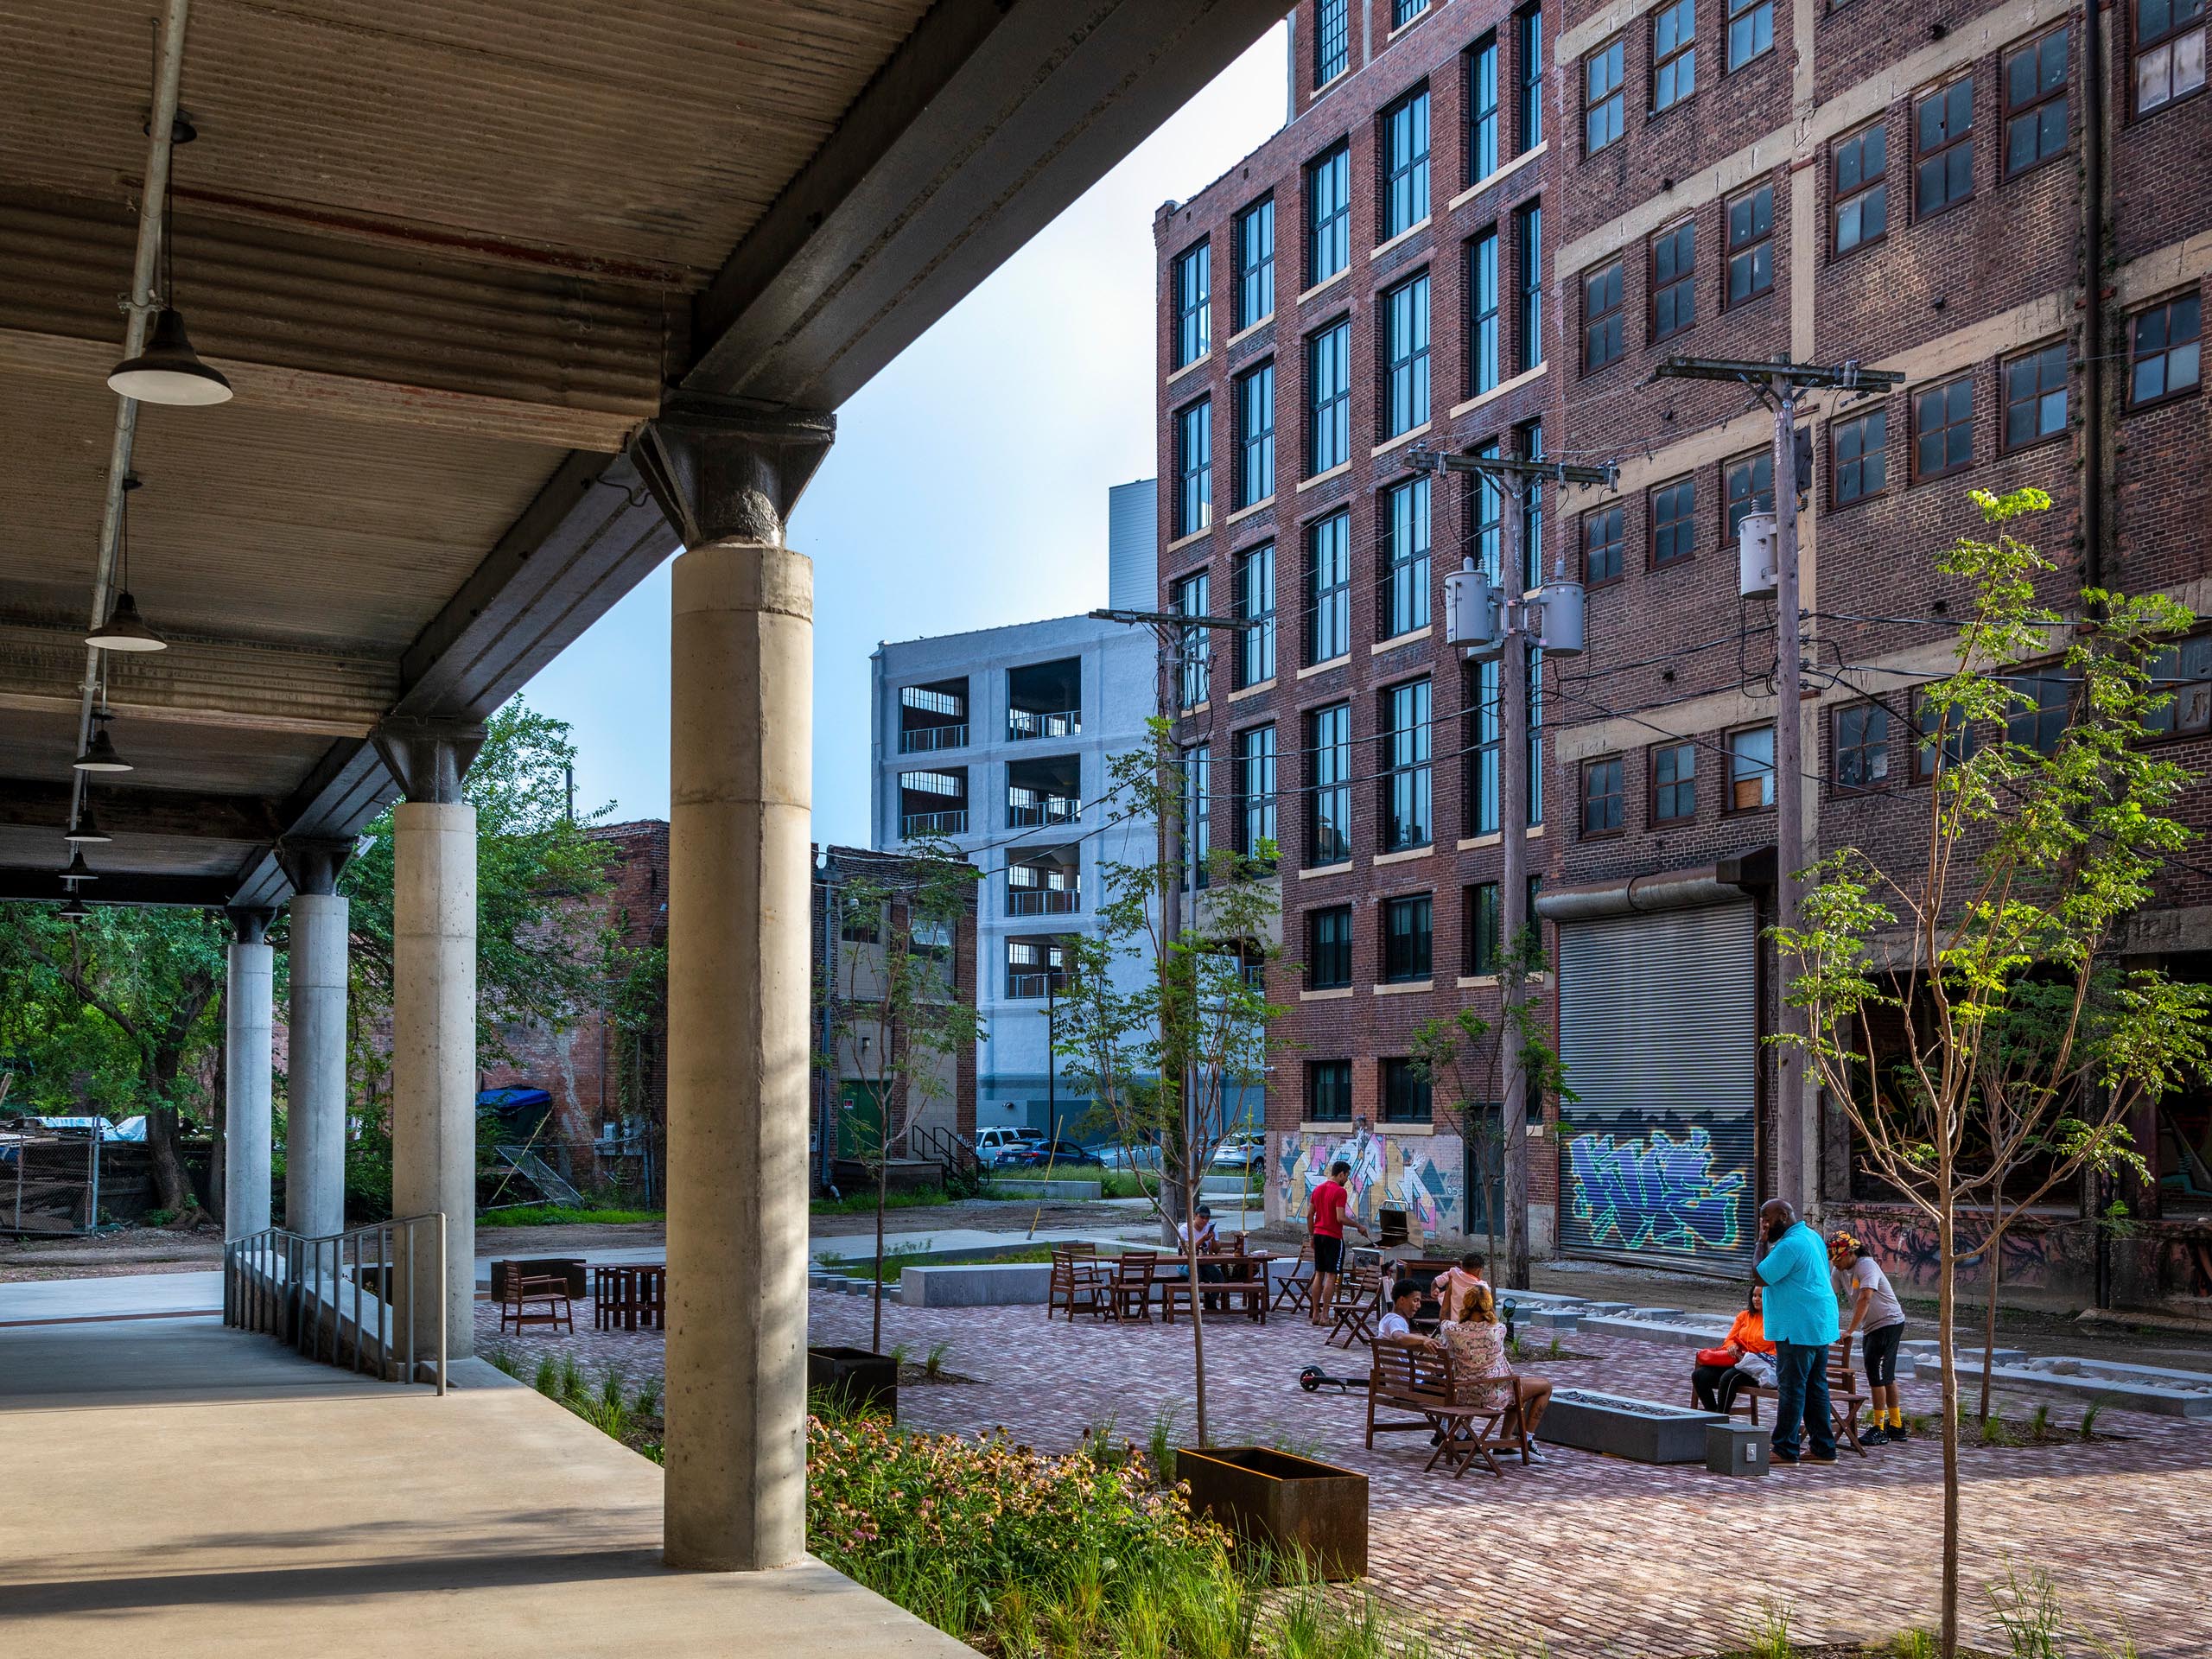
(1358, 1304)
(1296, 1290)
(1078, 1281)
(1131, 1291)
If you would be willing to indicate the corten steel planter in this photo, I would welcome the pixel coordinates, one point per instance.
(867, 1381)
(1294, 1505)
(569, 1268)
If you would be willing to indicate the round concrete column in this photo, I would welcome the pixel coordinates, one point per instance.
(314, 1140)
(739, 978)
(433, 1059)
(248, 1067)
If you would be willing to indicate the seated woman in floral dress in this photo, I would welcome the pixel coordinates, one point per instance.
(1477, 1343)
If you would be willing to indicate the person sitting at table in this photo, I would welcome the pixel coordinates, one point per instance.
(1477, 1344)
(1405, 1302)
(1454, 1287)
(1211, 1273)
(1750, 1359)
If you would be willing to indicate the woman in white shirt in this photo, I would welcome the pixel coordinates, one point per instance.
(1879, 1316)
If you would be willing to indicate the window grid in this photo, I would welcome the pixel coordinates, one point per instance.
(1674, 783)
(1529, 272)
(2039, 721)
(1861, 745)
(1332, 41)
(1483, 372)
(1751, 245)
(1405, 156)
(1405, 312)
(1328, 589)
(1674, 280)
(1195, 650)
(2169, 51)
(1328, 376)
(1407, 819)
(2165, 350)
(1255, 436)
(1482, 109)
(1256, 262)
(1328, 200)
(1328, 1092)
(1942, 128)
(1750, 769)
(1861, 456)
(2034, 83)
(1255, 601)
(1328, 742)
(1929, 720)
(1255, 789)
(1861, 190)
(1602, 534)
(1485, 922)
(1604, 97)
(1604, 793)
(1480, 729)
(1404, 11)
(1405, 1092)
(1329, 948)
(1405, 559)
(1529, 70)
(1673, 55)
(1194, 468)
(1193, 305)
(1942, 429)
(1408, 935)
(2035, 396)
(1749, 489)
(1197, 815)
(1750, 31)
(1674, 522)
(1603, 342)
(1528, 444)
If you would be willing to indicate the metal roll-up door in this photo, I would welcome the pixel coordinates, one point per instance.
(1658, 1019)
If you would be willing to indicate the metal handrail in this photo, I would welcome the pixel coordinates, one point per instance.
(283, 1285)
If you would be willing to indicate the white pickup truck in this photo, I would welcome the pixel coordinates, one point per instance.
(991, 1145)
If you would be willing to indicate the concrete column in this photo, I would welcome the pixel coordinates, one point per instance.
(248, 1065)
(740, 783)
(433, 1059)
(314, 1140)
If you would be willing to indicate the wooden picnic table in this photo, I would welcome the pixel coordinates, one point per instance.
(625, 1295)
(1246, 1269)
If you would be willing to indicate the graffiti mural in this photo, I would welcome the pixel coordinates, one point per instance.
(1658, 1192)
(2038, 1256)
(1419, 1174)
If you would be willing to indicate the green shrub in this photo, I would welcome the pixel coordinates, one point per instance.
(564, 1215)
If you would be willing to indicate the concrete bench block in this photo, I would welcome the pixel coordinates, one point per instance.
(1693, 1333)
(1004, 1186)
(982, 1284)
(1642, 1431)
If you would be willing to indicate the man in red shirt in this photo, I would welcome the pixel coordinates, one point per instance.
(1325, 1212)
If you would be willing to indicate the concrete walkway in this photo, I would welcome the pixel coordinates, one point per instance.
(201, 1493)
(116, 1296)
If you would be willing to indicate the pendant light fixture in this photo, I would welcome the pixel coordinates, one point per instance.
(124, 629)
(87, 831)
(99, 755)
(168, 370)
(79, 871)
(75, 911)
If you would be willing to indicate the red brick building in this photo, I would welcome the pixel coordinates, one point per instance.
(1958, 199)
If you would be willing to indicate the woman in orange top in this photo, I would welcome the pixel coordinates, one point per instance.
(1752, 1360)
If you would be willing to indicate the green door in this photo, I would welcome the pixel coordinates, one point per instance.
(860, 1120)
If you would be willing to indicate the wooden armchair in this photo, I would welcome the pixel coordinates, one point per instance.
(1129, 1295)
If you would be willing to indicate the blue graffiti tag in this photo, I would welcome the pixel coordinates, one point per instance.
(1662, 1192)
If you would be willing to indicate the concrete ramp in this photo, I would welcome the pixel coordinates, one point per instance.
(204, 1493)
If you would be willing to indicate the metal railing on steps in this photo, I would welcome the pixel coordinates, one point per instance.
(356, 1299)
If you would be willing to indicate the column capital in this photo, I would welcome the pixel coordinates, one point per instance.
(727, 468)
(429, 757)
(249, 924)
(313, 863)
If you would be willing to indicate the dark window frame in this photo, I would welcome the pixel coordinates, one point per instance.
(1335, 594)
(1605, 328)
(1334, 338)
(1407, 399)
(2008, 111)
(1338, 1074)
(1251, 273)
(1485, 313)
(1335, 785)
(1923, 152)
(1404, 1093)
(1605, 110)
(1405, 758)
(2141, 44)
(1603, 783)
(1655, 784)
(1484, 114)
(1404, 573)
(1528, 283)
(1324, 958)
(1482, 910)
(1192, 595)
(1683, 523)
(1735, 506)
(1411, 169)
(2191, 298)
(1334, 229)
(1609, 521)
(1679, 286)
(1922, 475)
(1958, 746)
(1255, 446)
(1192, 513)
(1733, 12)
(1681, 54)
(1728, 807)
(1868, 186)
(1876, 456)
(1417, 966)
(1865, 743)
(1193, 303)
(1527, 79)
(1255, 647)
(1755, 242)
(2041, 356)
(1331, 42)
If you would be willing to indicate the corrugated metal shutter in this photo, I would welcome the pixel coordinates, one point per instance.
(1659, 1034)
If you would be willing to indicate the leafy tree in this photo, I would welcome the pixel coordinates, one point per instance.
(896, 1018)
(2020, 1041)
(1168, 1058)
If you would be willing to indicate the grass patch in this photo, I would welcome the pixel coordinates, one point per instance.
(898, 1258)
(863, 1204)
(565, 1215)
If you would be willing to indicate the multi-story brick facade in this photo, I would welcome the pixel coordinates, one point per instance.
(1955, 199)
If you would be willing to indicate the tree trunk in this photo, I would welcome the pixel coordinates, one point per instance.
(171, 1182)
(1197, 1316)
(1946, 1294)
(1989, 1314)
(882, 1199)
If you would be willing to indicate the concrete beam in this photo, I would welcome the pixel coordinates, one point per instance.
(40, 803)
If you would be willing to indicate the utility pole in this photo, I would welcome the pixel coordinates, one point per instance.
(1505, 622)
(1797, 1116)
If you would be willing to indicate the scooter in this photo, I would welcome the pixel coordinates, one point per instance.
(1313, 1379)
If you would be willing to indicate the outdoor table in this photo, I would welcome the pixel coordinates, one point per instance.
(628, 1294)
(1171, 1269)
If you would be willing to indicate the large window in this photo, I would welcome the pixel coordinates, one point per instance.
(1190, 596)
(1256, 262)
(1484, 735)
(1328, 747)
(1943, 138)
(1404, 557)
(1674, 279)
(1942, 429)
(1328, 215)
(2169, 51)
(1862, 746)
(1604, 100)
(1255, 789)
(2034, 395)
(1407, 820)
(1673, 55)
(1528, 444)
(1407, 937)
(1602, 531)
(1932, 721)
(1405, 1092)
(1861, 187)
(1405, 319)
(1255, 602)
(1529, 273)
(1484, 925)
(1751, 245)
(1328, 589)
(1482, 109)
(1332, 39)
(1328, 380)
(1193, 305)
(1484, 371)
(1750, 30)
(1674, 521)
(1255, 436)
(1674, 783)
(1405, 163)
(1602, 338)
(1604, 797)
(1750, 489)
(1404, 11)
(2182, 676)
(2039, 715)
(2164, 346)
(2035, 102)
(1194, 467)
(1528, 77)
(1861, 445)
(1328, 1085)
(1485, 500)
(1328, 948)
(1750, 769)
(1198, 814)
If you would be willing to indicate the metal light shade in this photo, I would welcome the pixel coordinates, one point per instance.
(79, 870)
(74, 910)
(88, 831)
(124, 629)
(99, 755)
(168, 371)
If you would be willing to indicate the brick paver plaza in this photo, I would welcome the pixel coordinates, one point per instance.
(1593, 1555)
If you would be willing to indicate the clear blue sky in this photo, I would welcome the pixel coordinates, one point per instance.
(968, 486)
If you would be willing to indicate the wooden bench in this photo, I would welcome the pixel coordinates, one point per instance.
(1844, 1398)
(1410, 1374)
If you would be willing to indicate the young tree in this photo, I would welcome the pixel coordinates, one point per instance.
(896, 1018)
(1169, 1058)
(2017, 1042)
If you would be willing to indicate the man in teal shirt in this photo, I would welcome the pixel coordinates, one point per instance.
(1801, 1323)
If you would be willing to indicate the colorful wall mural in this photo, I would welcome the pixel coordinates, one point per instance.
(1656, 1193)
(1423, 1175)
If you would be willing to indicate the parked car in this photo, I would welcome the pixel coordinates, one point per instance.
(1245, 1150)
(992, 1145)
(1144, 1155)
(1036, 1155)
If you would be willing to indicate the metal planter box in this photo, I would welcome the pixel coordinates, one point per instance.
(1292, 1504)
(869, 1381)
(1642, 1431)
